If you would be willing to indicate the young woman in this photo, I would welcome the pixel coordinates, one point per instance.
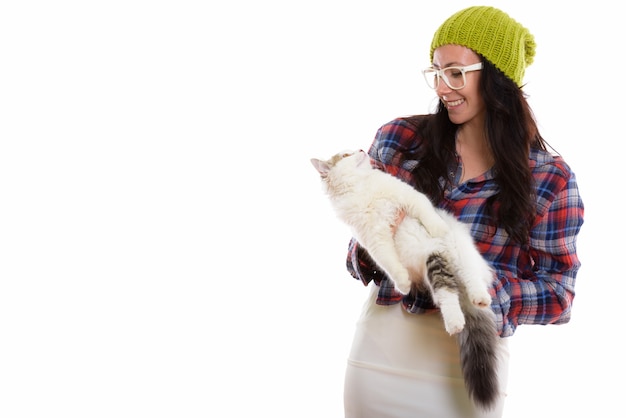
(481, 156)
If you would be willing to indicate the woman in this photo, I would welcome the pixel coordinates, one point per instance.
(481, 156)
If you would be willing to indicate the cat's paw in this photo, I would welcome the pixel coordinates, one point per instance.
(403, 288)
(453, 318)
(480, 298)
(401, 281)
(454, 325)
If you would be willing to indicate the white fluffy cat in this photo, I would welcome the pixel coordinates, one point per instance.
(428, 250)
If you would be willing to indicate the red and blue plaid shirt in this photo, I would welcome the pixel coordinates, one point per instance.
(534, 284)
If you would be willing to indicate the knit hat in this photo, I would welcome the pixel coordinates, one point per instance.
(491, 33)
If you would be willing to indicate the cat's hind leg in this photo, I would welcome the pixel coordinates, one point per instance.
(451, 312)
(477, 281)
(474, 271)
(445, 289)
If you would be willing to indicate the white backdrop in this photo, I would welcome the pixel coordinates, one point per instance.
(166, 249)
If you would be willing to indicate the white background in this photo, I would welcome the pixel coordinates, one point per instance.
(166, 249)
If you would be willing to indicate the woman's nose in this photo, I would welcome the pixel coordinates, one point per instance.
(442, 87)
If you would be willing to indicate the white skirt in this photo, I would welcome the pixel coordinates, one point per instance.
(405, 365)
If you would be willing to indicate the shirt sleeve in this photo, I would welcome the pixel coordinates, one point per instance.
(544, 291)
(360, 265)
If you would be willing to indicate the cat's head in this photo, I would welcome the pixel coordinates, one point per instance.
(343, 160)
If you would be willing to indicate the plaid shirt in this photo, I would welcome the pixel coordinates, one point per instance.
(533, 284)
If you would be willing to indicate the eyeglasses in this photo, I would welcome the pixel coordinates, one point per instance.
(454, 77)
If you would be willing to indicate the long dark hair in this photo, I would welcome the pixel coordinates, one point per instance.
(511, 130)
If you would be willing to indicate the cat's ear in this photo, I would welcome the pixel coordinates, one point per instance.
(322, 167)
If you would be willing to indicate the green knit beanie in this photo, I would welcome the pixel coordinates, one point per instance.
(491, 33)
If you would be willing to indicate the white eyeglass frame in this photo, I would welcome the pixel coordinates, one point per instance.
(440, 74)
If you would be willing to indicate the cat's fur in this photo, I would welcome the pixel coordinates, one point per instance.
(430, 250)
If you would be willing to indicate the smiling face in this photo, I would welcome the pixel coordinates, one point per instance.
(465, 105)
